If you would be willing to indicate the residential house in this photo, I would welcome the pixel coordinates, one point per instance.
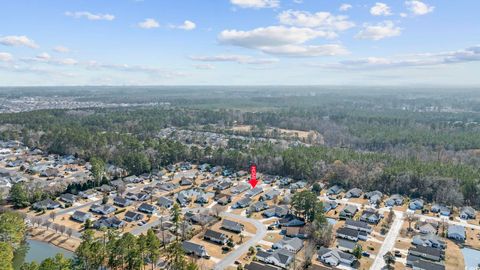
(427, 228)
(276, 211)
(270, 195)
(87, 194)
(279, 257)
(141, 196)
(299, 232)
(293, 245)
(335, 257)
(131, 216)
(184, 198)
(371, 216)
(199, 218)
(186, 182)
(346, 245)
(164, 202)
(291, 221)
(242, 187)
(202, 198)
(334, 190)
(223, 199)
(222, 185)
(424, 252)
(216, 237)
(358, 225)
(191, 248)
(374, 197)
(81, 216)
(109, 222)
(467, 212)
(419, 264)
(147, 208)
(456, 232)
(260, 266)
(329, 205)
(348, 212)
(102, 209)
(429, 240)
(353, 193)
(441, 209)
(254, 192)
(245, 202)
(351, 234)
(232, 226)
(47, 204)
(121, 202)
(416, 204)
(68, 198)
(259, 206)
(395, 199)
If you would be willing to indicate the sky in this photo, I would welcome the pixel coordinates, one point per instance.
(239, 42)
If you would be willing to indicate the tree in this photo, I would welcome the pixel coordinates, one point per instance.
(6, 256)
(153, 247)
(306, 204)
(105, 199)
(52, 215)
(19, 195)
(357, 251)
(88, 224)
(12, 228)
(56, 263)
(389, 260)
(316, 188)
(98, 168)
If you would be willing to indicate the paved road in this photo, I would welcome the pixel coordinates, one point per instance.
(242, 249)
(389, 241)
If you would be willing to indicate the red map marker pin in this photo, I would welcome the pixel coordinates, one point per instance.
(253, 175)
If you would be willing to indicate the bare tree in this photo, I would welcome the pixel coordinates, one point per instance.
(62, 229)
(52, 215)
(410, 217)
(69, 232)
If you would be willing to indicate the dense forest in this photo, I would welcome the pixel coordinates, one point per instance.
(421, 144)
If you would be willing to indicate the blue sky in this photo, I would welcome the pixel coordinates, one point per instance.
(239, 42)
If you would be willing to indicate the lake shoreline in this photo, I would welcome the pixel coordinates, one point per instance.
(51, 237)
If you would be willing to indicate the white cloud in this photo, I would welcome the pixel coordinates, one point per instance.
(187, 25)
(418, 7)
(148, 23)
(5, 57)
(241, 59)
(256, 3)
(321, 20)
(67, 61)
(403, 15)
(61, 49)
(345, 7)
(471, 54)
(90, 16)
(379, 31)
(380, 9)
(204, 66)
(43, 56)
(308, 50)
(18, 41)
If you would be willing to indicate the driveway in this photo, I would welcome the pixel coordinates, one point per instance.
(242, 249)
(389, 241)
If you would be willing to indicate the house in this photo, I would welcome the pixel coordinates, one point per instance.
(131, 216)
(467, 212)
(358, 225)
(243, 203)
(329, 205)
(276, 211)
(121, 202)
(133, 179)
(47, 204)
(299, 232)
(427, 228)
(353, 193)
(147, 208)
(199, 218)
(429, 253)
(106, 188)
(270, 195)
(171, 168)
(232, 226)
(103, 209)
(291, 221)
(441, 209)
(80, 216)
(374, 197)
(351, 234)
(395, 199)
(416, 204)
(141, 196)
(346, 245)
(298, 185)
(216, 169)
(184, 198)
(419, 264)
(335, 257)
(254, 192)
(293, 245)
(279, 257)
(164, 202)
(109, 222)
(202, 198)
(68, 198)
(223, 199)
(186, 182)
(166, 237)
(223, 185)
(167, 186)
(242, 187)
(456, 232)
(335, 190)
(216, 237)
(203, 167)
(371, 216)
(348, 212)
(260, 266)
(429, 240)
(259, 206)
(194, 249)
(87, 194)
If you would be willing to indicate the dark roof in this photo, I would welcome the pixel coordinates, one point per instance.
(260, 266)
(214, 234)
(426, 265)
(146, 207)
(356, 223)
(348, 232)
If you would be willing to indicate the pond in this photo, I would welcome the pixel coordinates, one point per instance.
(472, 258)
(34, 250)
(331, 221)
